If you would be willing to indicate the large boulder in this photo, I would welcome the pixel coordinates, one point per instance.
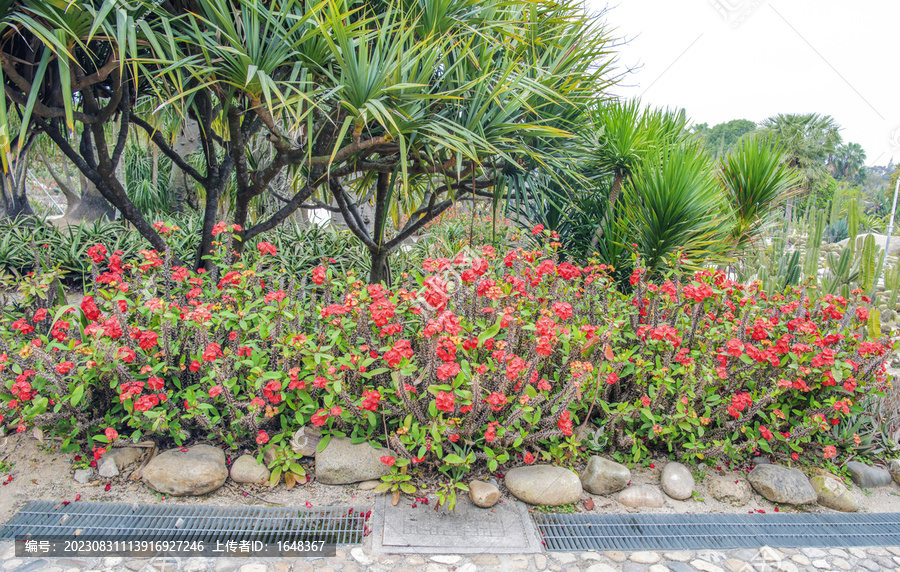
(604, 477)
(641, 496)
(187, 471)
(895, 470)
(677, 481)
(246, 469)
(880, 241)
(782, 485)
(343, 463)
(483, 494)
(833, 494)
(544, 485)
(868, 477)
(725, 489)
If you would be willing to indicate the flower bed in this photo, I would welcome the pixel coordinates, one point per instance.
(489, 359)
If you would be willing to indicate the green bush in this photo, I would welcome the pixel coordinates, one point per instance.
(491, 358)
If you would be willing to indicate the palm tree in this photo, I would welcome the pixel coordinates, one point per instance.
(848, 162)
(808, 141)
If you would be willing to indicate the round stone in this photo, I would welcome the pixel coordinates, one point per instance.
(782, 485)
(245, 469)
(868, 477)
(677, 481)
(544, 485)
(604, 477)
(725, 489)
(342, 462)
(186, 471)
(483, 494)
(641, 496)
(305, 441)
(833, 494)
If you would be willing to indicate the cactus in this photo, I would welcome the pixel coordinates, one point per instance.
(853, 220)
(813, 244)
(873, 325)
(892, 282)
(868, 264)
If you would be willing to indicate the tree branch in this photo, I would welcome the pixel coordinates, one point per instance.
(158, 140)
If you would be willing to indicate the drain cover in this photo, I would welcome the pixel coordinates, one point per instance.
(334, 525)
(575, 532)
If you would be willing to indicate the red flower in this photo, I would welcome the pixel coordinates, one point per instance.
(538, 229)
(645, 401)
(447, 370)
(262, 438)
(318, 275)
(496, 400)
(830, 451)
(445, 401)
(565, 423)
(612, 378)
(212, 352)
(155, 383)
(563, 310)
(65, 367)
(336, 411)
(266, 248)
(40, 315)
(370, 400)
(766, 434)
(195, 366)
(97, 253)
(111, 434)
(528, 458)
(215, 390)
(319, 418)
(126, 354)
(388, 460)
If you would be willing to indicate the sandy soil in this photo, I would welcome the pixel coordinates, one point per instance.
(40, 472)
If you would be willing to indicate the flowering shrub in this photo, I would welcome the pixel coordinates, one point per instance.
(485, 359)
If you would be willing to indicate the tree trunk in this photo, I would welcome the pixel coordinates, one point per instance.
(12, 186)
(180, 183)
(380, 272)
(610, 206)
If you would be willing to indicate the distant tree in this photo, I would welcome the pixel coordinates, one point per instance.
(722, 138)
(848, 163)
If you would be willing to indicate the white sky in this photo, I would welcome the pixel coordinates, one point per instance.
(751, 59)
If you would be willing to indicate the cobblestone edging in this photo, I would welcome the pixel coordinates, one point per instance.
(361, 559)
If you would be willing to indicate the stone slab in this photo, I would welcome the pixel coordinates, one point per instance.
(506, 528)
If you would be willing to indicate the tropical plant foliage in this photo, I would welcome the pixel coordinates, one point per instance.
(411, 106)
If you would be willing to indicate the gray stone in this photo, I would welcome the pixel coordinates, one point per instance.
(895, 470)
(187, 471)
(483, 494)
(641, 496)
(343, 463)
(107, 468)
(868, 477)
(677, 481)
(680, 567)
(705, 566)
(245, 469)
(880, 242)
(833, 494)
(644, 557)
(782, 485)
(544, 485)
(83, 475)
(725, 489)
(604, 477)
(124, 456)
(599, 568)
(305, 441)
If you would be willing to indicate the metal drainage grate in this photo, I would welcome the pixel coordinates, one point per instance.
(571, 532)
(334, 525)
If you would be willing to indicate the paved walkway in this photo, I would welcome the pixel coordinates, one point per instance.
(361, 559)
